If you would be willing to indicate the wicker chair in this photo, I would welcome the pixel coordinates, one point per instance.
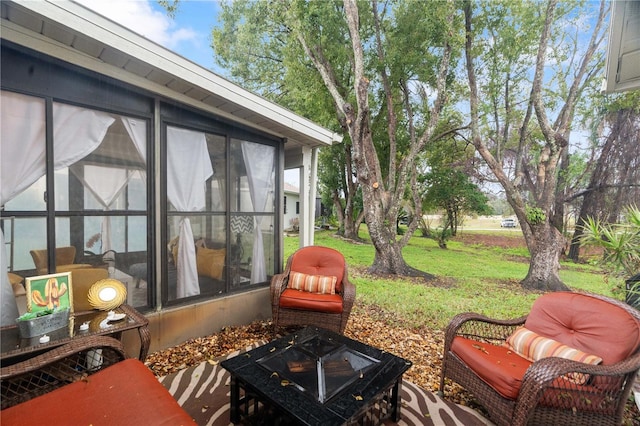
(547, 391)
(58, 367)
(293, 307)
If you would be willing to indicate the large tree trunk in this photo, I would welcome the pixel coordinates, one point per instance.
(388, 258)
(545, 244)
(544, 241)
(382, 192)
(350, 228)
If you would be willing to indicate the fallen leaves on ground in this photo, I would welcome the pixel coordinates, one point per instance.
(367, 324)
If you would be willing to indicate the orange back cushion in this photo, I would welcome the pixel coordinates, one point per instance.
(316, 260)
(583, 322)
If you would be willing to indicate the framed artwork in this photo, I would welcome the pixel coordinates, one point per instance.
(48, 292)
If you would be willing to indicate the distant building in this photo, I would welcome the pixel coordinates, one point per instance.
(291, 207)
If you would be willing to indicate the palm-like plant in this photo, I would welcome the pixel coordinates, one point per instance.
(620, 242)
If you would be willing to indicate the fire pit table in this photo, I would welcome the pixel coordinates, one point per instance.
(315, 377)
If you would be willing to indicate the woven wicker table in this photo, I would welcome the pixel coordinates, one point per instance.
(316, 377)
(14, 348)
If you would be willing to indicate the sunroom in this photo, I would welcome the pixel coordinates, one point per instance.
(120, 155)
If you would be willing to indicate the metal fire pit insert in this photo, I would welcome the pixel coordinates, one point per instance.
(321, 368)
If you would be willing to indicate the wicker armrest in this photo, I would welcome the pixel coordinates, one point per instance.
(58, 367)
(480, 327)
(348, 293)
(278, 285)
(546, 370)
(562, 382)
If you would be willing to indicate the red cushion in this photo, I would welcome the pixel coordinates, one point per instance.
(318, 260)
(586, 323)
(126, 393)
(498, 366)
(298, 299)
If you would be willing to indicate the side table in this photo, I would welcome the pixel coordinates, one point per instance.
(14, 348)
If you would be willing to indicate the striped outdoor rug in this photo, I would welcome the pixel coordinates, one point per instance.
(203, 391)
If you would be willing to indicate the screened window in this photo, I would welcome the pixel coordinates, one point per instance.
(219, 231)
(94, 184)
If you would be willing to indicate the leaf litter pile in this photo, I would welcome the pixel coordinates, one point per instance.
(367, 324)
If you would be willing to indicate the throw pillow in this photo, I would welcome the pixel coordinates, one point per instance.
(532, 346)
(313, 283)
(210, 262)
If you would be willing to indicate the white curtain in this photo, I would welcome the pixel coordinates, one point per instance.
(76, 133)
(22, 162)
(259, 162)
(137, 131)
(22, 141)
(107, 183)
(188, 168)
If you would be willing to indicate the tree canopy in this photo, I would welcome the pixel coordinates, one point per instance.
(385, 94)
(385, 74)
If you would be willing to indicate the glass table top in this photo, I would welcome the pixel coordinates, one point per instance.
(318, 367)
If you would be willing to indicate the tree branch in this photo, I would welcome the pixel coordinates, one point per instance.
(392, 119)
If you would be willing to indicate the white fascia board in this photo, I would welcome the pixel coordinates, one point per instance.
(84, 21)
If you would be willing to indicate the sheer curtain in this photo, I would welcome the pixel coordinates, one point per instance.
(76, 133)
(22, 142)
(107, 183)
(137, 131)
(188, 168)
(259, 161)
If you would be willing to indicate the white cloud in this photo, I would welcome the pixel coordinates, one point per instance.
(139, 16)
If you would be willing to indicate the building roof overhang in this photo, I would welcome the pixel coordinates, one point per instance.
(623, 53)
(75, 34)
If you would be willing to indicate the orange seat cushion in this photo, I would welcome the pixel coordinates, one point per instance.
(303, 300)
(126, 393)
(498, 366)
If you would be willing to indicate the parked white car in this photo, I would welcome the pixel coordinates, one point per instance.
(508, 223)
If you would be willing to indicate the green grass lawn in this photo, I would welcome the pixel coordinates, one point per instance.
(469, 277)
